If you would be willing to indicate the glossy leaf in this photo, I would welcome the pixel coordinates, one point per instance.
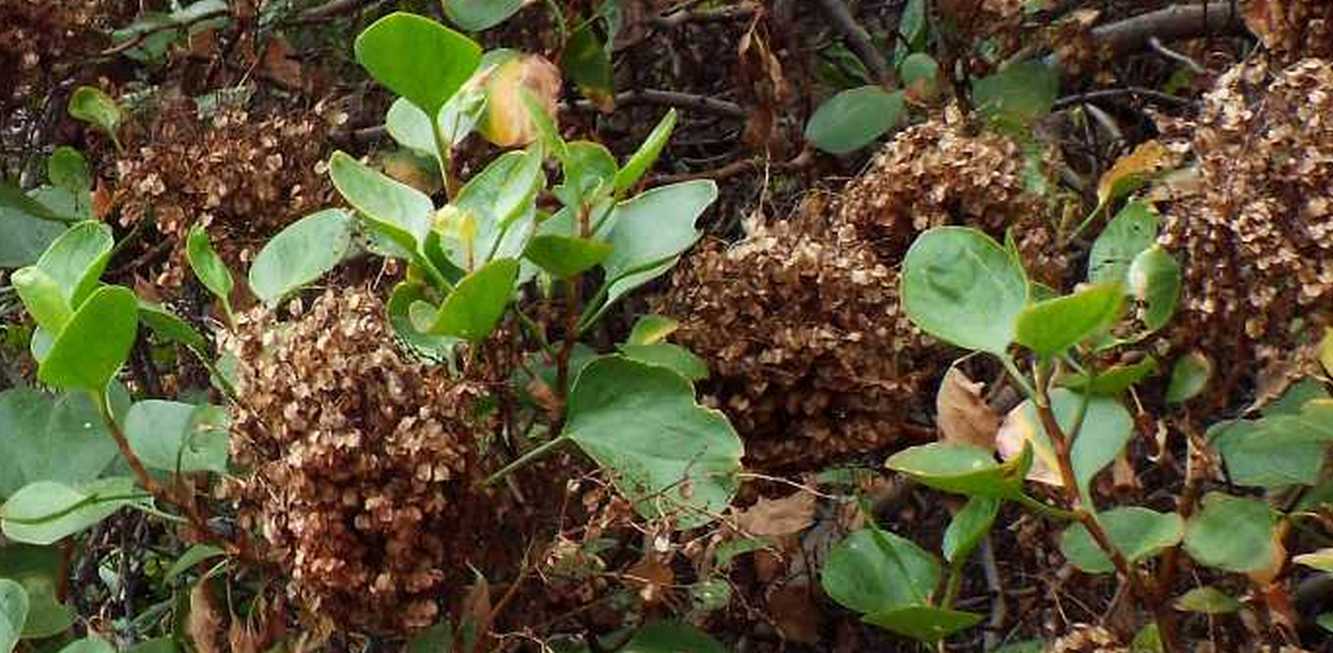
(1139, 533)
(43, 298)
(477, 15)
(477, 303)
(417, 58)
(671, 637)
(564, 256)
(1207, 600)
(95, 343)
(1053, 326)
(93, 106)
(1106, 429)
(643, 158)
(960, 286)
(1132, 231)
(673, 357)
(77, 259)
(13, 613)
(873, 571)
(651, 329)
(590, 172)
(968, 527)
(498, 197)
(1232, 533)
(300, 254)
(397, 211)
(1189, 377)
(208, 266)
(1155, 279)
(924, 623)
(664, 452)
(959, 468)
(177, 437)
(854, 118)
(46, 512)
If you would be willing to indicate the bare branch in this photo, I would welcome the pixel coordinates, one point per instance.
(1170, 24)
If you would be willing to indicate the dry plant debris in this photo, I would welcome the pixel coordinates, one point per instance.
(360, 462)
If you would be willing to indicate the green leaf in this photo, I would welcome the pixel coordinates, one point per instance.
(1147, 640)
(587, 62)
(1189, 377)
(77, 258)
(968, 527)
(1155, 279)
(1232, 533)
(651, 329)
(590, 172)
(1018, 95)
(433, 347)
(1138, 533)
(192, 557)
(1107, 428)
(854, 118)
(924, 623)
(39, 569)
(643, 158)
(500, 196)
(874, 571)
(46, 512)
(1207, 600)
(1325, 621)
(66, 168)
(565, 256)
(13, 613)
(43, 297)
(155, 645)
(89, 644)
(410, 127)
(920, 75)
(1028, 646)
(95, 343)
(673, 357)
(1053, 326)
(417, 58)
(170, 327)
(958, 468)
(656, 226)
(397, 211)
(176, 437)
(1132, 230)
(208, 266)
(912, 30)
(664, 452)
(1112, 381)
(95, 107)
(436, 639)
(25, 234)
(477, 15)
(960, 286)
(477, 303)
(671, 637)
(1276, 451)
(58, 438)
(300, 254)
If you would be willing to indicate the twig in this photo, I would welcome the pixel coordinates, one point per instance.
(328, 10)
(999, 611)
(1170, 24)
(858, 40)
(1102, 94)
(680, 17)
(1158, 47)
(738, 167)
(141, 36)
(690, 101)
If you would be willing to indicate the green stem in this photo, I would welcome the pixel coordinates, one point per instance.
(445, 156)
(537, 452)
(536, 330)
(1018, 377)
(952, 585)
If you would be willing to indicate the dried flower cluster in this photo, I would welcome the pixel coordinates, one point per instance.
(810, 352)
(36, 35)
(243, 177)
(1292, 29)
(1084, 638)
(1256, 240)
(358, 463)
(937, 173)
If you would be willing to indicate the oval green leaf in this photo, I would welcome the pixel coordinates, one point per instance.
(968, 527)
(924, 623)
(93, 106)
(673, 357)
(1139, 533)
(177, 437)
(854, 118)
(207, 265)
(959, 468)
(962, 287)
(1232, 533)
(77, 258)
(643, 158)
(397, 211)
(1133, 230)
(46, 512)
(13, 613)
(1053, 326)
(666, 453)
(873, 571)
(656, 226)
(671, 637)
(1207, 600)
(42, 297)
(478, 302)
(1155, 279)
(565, 256)
(1189, 377)
(300, 254)
(95, 342)
(417, 58)
(477, 15)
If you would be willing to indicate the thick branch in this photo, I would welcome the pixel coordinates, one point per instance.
(1169, 24)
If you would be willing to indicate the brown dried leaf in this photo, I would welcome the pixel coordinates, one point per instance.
(794, 613)
(1017, 429)
(204, 624)
(477, 611)
(280, 66)
(651, 576)
(774, 517)
(962, 415)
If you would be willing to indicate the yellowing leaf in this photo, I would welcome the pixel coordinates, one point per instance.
(506, 122)
(1132, 171)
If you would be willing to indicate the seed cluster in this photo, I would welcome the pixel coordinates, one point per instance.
(241, 176)
(357, 462)
(36, 35)
(1256, 238)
